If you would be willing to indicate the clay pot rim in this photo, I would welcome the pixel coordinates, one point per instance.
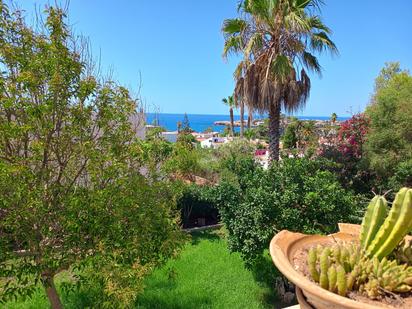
(281, 250)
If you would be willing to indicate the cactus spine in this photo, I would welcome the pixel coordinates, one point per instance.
(373, 219)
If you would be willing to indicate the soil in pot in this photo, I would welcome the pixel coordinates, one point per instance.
(399, 301)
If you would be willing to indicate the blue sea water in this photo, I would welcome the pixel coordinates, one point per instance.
(200, 123)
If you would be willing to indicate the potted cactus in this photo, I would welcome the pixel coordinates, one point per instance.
(359, 267)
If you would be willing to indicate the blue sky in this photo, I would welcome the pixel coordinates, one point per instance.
(176, 46)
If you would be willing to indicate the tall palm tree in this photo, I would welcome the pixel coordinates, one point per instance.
(231, 103)
(278, 39)
(249, 117)
(333, 118)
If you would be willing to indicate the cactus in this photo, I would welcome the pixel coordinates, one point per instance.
(388, 224)
(341, 280)
(369, 266)
(400, 229)
(403, 253)
(373, 219)
(312, 257)
(332, 278)
(370, 276)
(324, 267)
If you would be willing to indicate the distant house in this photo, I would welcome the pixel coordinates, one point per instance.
(170, 136)
(213, 142)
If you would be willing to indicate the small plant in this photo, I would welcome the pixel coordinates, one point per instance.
(377, 264)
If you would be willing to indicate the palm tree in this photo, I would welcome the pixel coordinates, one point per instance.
(249, 117)
(231, 103)
(277, 39)
(333, 118)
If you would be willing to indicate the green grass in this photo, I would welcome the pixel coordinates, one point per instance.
(205, 275)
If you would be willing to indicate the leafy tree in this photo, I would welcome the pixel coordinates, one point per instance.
(389, 141)
(276, 39)
(71, 196)
(390, 70)
(295, 194)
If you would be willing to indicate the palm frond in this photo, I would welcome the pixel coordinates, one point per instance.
(320, 42)
(233, 26)
(254, 42)
(311, 62)
(281, 67)
(233, 45)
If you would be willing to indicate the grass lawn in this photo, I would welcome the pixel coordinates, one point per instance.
(205, 275)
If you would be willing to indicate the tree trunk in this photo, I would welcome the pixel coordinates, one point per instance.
(232, 122)
(51, 292)
(242, 118)
(274, 124)
(249, 118)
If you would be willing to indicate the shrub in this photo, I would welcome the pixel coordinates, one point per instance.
(346, 153)
(294, 194)
(197, 202)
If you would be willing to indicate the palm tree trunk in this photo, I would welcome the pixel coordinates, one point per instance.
(242, 118)
(274, 123)
(249, 118)
(51, 292)
(232, 122)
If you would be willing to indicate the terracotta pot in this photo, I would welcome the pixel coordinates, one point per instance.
(283, 248)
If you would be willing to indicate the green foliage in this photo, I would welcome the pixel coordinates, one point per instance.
(389, 142)
(183, 162)
(197, 202)
(185, 127)
(295, 194)
(71, 193)
(201, 276)
(300, 135)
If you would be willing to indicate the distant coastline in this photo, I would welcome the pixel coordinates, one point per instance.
(200, 123)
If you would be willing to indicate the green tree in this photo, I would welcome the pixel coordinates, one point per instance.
(186, 125)
(71, 196)
(295, 194)
(390, 70)
(231, 104)
(276, 39)
(333, 118)
(389, 141)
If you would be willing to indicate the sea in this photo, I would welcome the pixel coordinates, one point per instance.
(200, 123)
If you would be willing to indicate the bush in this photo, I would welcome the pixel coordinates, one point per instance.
(346, 152)
(295, 194)
(197, 202)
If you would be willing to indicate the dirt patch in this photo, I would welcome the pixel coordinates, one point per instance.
(403, 301)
